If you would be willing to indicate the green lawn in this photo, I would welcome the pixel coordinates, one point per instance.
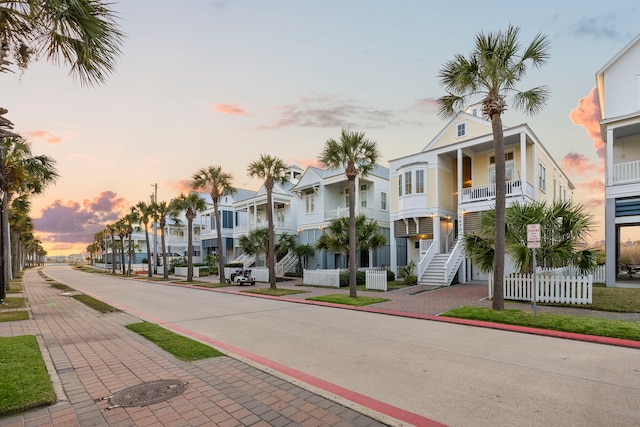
(24, 380)
(556, 322)
(274, 292)
(625, 300)
(10, 316)
(12, 302)
(347, 300)
(181, 347)
(94, 303)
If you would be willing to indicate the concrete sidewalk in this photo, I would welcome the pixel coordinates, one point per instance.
(92, 356)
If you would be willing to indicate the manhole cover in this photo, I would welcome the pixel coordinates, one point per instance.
(146, 393)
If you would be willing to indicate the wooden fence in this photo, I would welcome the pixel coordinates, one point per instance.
(329, 278)
(376, 279)
(549, 288)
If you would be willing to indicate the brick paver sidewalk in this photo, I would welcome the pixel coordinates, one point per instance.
(94, 356)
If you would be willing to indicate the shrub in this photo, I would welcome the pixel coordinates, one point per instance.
(390, 276)
(410, 279)
(361, 278)
(234, 265)
(293, 274)
(204, 271)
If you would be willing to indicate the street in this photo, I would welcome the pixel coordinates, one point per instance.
(457, 375)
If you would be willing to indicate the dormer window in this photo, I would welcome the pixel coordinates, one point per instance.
(461, 130)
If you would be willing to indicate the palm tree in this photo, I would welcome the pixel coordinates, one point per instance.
(358, 156)
(219, 183)
(21, 173)
(256, 242)
(111, 229)
(489, 74)
(337, 236)
(92, 248)
(303, 252)
(131, 218)
(121, 229)
(273, 171)
(190, 204)
(82, 34)
(565, 229)
(21, 228)
(145, 213)
(162, 210)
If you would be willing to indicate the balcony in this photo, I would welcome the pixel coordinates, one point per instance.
(278, 225)
(626, 172)
(339, 212)
(488, 192)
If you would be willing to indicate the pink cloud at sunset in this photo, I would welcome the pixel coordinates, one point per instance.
(182, 186)
(580, 164)
(44, 136)
(70, 222)
(587, 114)
(304, 163)
(231, 109)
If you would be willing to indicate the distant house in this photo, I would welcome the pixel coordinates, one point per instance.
(618, 83)
(439, 193)
(323, 195)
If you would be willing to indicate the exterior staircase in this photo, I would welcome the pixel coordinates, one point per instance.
(435, 273)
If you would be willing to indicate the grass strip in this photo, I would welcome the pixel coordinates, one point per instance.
(24, 380)
(213, 285)
(11, 316)
(12, 302)
(347, 300)
(181, 347)
(274, 292)
(556, 322)
(94, 303)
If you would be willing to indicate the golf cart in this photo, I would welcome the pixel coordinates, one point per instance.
(242, 277)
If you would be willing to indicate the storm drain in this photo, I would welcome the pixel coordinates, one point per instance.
(146, 393)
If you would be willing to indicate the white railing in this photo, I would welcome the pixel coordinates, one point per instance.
(599, 274)
(454, 261)
(426, 255)
(549, 288)
(376, 279)
(485, 192)
(340, 212)
(626, 172)
(329, 278)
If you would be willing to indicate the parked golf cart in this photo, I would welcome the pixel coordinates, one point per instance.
(242, 277)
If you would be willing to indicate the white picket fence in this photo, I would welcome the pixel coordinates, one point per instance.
(550, 288)
(328, 278)
(376, 279)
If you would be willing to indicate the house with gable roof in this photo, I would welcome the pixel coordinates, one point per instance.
(323, 195)
(440, 193)
(618, 83)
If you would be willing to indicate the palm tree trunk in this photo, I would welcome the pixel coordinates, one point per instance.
(6, 247)
(149, 255)
(499, 249)
(271, 246)
(219, 235)
(165, 269)
(352, 239)
(189, 244)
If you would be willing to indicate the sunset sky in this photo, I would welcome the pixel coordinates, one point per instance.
(218, 82)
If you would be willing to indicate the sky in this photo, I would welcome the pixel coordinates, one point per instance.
(220, 82)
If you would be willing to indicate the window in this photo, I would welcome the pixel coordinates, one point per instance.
(542, 177)
(227, 219)
(346, 197)
(419, 181)
(400, 185)
(508, 168)
(363, 198)
(383, 201)
(461, 129)
(310, 201)
(554, 189)
(407, 183)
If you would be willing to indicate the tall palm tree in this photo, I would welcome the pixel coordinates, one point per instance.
(273, 171)
(21, 227)
(121, 229)
(219, 183)
(488, 75)
(164, 210)
(21, 173)
(144, 214)
(191, 204)
(130, 219)
(81, 34)
(358, 156)
(111, 229)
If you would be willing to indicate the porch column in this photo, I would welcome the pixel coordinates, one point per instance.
(612, 242)
(436, 234)
(523, 162)
(459, 154)
(393, 256)
(608, 158)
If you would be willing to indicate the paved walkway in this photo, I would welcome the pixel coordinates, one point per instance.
(94, 356)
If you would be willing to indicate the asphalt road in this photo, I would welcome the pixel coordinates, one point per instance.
(457, 375)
